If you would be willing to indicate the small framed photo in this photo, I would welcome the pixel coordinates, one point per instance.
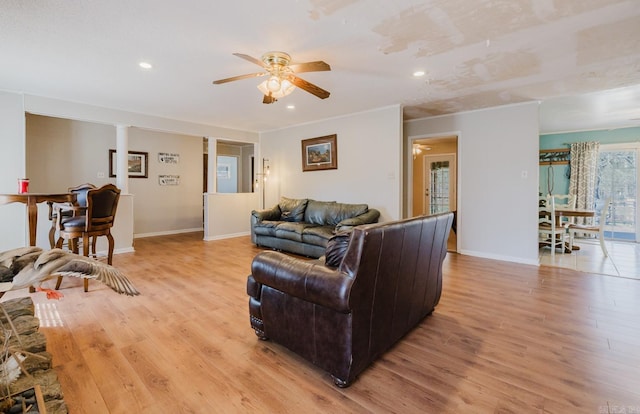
(137, 164)
(320, 153)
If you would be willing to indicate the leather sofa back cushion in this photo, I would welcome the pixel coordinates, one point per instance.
(336, 248)
(330, 213)
(292, 209)
(316, 211)
(337, 212)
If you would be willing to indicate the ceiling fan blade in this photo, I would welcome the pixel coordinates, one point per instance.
(235, 78)
(251, 59)
(316, 66)
(268, 99)
(309, 87)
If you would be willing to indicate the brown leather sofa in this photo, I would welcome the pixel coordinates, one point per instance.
(343, 318)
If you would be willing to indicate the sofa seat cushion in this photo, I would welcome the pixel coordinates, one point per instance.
(266, 227)
(318, 235)
(292, 231)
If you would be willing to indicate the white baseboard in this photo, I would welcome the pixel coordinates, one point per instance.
(227, 236)
(500, 257)
(166, 233)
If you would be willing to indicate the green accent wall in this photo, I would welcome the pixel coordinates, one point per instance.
(556, 176)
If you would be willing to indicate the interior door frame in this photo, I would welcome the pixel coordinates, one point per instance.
(411, 140)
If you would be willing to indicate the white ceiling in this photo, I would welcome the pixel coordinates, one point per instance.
(476, 53)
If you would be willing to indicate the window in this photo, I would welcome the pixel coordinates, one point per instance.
(618, 179)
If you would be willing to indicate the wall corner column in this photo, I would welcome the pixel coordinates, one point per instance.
(122, 156)
(212, 150)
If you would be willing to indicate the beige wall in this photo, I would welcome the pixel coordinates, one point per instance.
(63, 153)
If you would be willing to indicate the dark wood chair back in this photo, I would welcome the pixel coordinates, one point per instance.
(102, 204)
(81, 202)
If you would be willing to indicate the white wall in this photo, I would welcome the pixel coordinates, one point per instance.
(497, 205)
(13, 227)
(369, 161)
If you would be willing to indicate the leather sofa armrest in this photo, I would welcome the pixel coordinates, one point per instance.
(370, 216)
(270, 214)
(258, 216)
(307, 280)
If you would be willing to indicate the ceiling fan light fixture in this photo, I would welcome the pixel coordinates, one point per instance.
(273, 84)
(282, 78)
(284, 89)
(287, 87)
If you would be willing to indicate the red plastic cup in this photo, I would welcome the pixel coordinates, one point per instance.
(23, 185)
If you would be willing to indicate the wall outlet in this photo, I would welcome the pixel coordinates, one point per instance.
(524, 174)
(100, 174)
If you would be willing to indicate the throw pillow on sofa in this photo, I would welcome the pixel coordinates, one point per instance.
(336, 248)
(292, 209)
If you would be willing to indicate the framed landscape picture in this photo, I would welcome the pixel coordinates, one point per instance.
(320, 153)
(137, 164)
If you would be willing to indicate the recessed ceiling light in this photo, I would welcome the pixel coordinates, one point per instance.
(290, 106)
(145, 65)
(418, 73)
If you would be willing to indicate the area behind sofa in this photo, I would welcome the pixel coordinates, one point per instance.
(304, 226)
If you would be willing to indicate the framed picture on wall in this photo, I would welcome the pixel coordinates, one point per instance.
(320, 153)
(137, 164)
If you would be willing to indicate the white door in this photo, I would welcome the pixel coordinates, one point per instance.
(439, 183)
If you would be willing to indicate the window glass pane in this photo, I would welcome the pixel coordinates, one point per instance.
(617, 178)
(439, 191)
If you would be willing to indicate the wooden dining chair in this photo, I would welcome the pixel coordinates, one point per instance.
(550, 232)
(593, 229)
(567, 201)
(81, 202)
(102, 204)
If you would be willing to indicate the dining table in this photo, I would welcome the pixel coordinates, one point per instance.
(572, 212)
(32, 200)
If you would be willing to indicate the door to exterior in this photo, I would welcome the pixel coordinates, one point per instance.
(618, 178)
(439, 183)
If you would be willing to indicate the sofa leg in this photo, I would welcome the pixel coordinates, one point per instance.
(340, 383)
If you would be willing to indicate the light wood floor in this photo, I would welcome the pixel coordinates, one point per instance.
(505, 338)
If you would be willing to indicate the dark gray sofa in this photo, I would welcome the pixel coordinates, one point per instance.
(304, 226)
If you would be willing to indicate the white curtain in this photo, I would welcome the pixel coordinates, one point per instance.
(584, 168)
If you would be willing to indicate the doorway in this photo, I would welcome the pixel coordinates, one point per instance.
(434, 179)
(439, 183)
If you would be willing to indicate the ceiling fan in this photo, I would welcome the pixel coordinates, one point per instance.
(282, 76)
